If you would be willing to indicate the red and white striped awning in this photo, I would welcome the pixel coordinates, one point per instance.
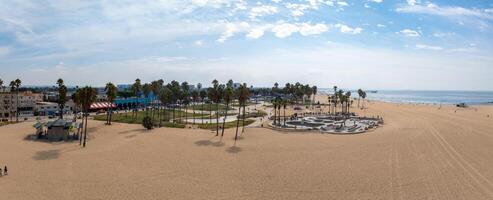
(102, 105)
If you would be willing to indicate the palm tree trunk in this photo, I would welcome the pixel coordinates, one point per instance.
(275, 112)
(284, 116)
(243, 121)
(193, 115)
(217, 119)
(174, 115)
(85, 132)
(186, 114)
(17, 106)
(238, 122)
(224, 120)
(210, 112)
(83, 124)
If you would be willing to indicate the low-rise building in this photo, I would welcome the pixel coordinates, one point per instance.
(51, 108)
(22, 102)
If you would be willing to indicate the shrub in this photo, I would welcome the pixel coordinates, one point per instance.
(147, 123)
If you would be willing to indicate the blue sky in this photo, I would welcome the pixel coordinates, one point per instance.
(373, 44)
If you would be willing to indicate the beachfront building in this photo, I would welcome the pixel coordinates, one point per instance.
(135, 102)
(50, 108)
(26, 103)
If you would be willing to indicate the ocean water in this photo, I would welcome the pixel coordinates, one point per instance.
(428, 97)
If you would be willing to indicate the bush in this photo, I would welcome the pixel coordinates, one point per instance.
(147, 123)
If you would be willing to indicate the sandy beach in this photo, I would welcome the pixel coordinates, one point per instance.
(422, 152)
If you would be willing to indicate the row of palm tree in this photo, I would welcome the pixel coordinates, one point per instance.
(296, 91)
(361, 94)
(83, 98)
(62, 96)
(179, 95)
(279, 103)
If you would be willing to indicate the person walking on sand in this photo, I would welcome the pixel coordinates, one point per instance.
(0, 172)
(4, 170)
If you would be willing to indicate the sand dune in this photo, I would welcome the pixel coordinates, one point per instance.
(422, 152)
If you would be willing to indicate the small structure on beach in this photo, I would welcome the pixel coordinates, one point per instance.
(58, 130)
(39, 129)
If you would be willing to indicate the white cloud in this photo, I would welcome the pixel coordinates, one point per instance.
(428, 47)
(446, 34)
(262, 10)
(307, 29)
(342, 3)
(297, 9)
(380, 25)
(377, 1)
(199, 43)
(231, 29)
(346, 29)
(446, 11)
(284, 30)
(409, 33)
(411, 2)
(255, 33)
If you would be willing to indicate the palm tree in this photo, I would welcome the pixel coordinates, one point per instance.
(136, 88)
(219, 98)
(88, 96)
(76, 99)
(246, 97)
(348, 99)
(240, 101)
(174, 87)
(185, 92)
(227, 96)
(339, 95)
(15, 85)
(363, 95)
(195, 98)
(211, 95)
(111, 91)
(203, 95)
(284, 104)
(165, 97)
(62, 96)
(314, 92)
(146, 89)
(360, 93)
(156, 88)
(215, 97)
(335, 99)
(274, 104)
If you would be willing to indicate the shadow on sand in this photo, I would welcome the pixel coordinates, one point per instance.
(233, 149)
(34, 138)
(47, 155)
(134, 131)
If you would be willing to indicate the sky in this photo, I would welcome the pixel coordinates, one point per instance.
(369, 44)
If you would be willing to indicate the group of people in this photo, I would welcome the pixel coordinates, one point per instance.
(5, 171)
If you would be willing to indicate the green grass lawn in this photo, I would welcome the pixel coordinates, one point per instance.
(208, 107)
(127, 117)
(259, 113)
(226, 125)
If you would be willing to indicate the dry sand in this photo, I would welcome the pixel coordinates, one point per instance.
(422, 152)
